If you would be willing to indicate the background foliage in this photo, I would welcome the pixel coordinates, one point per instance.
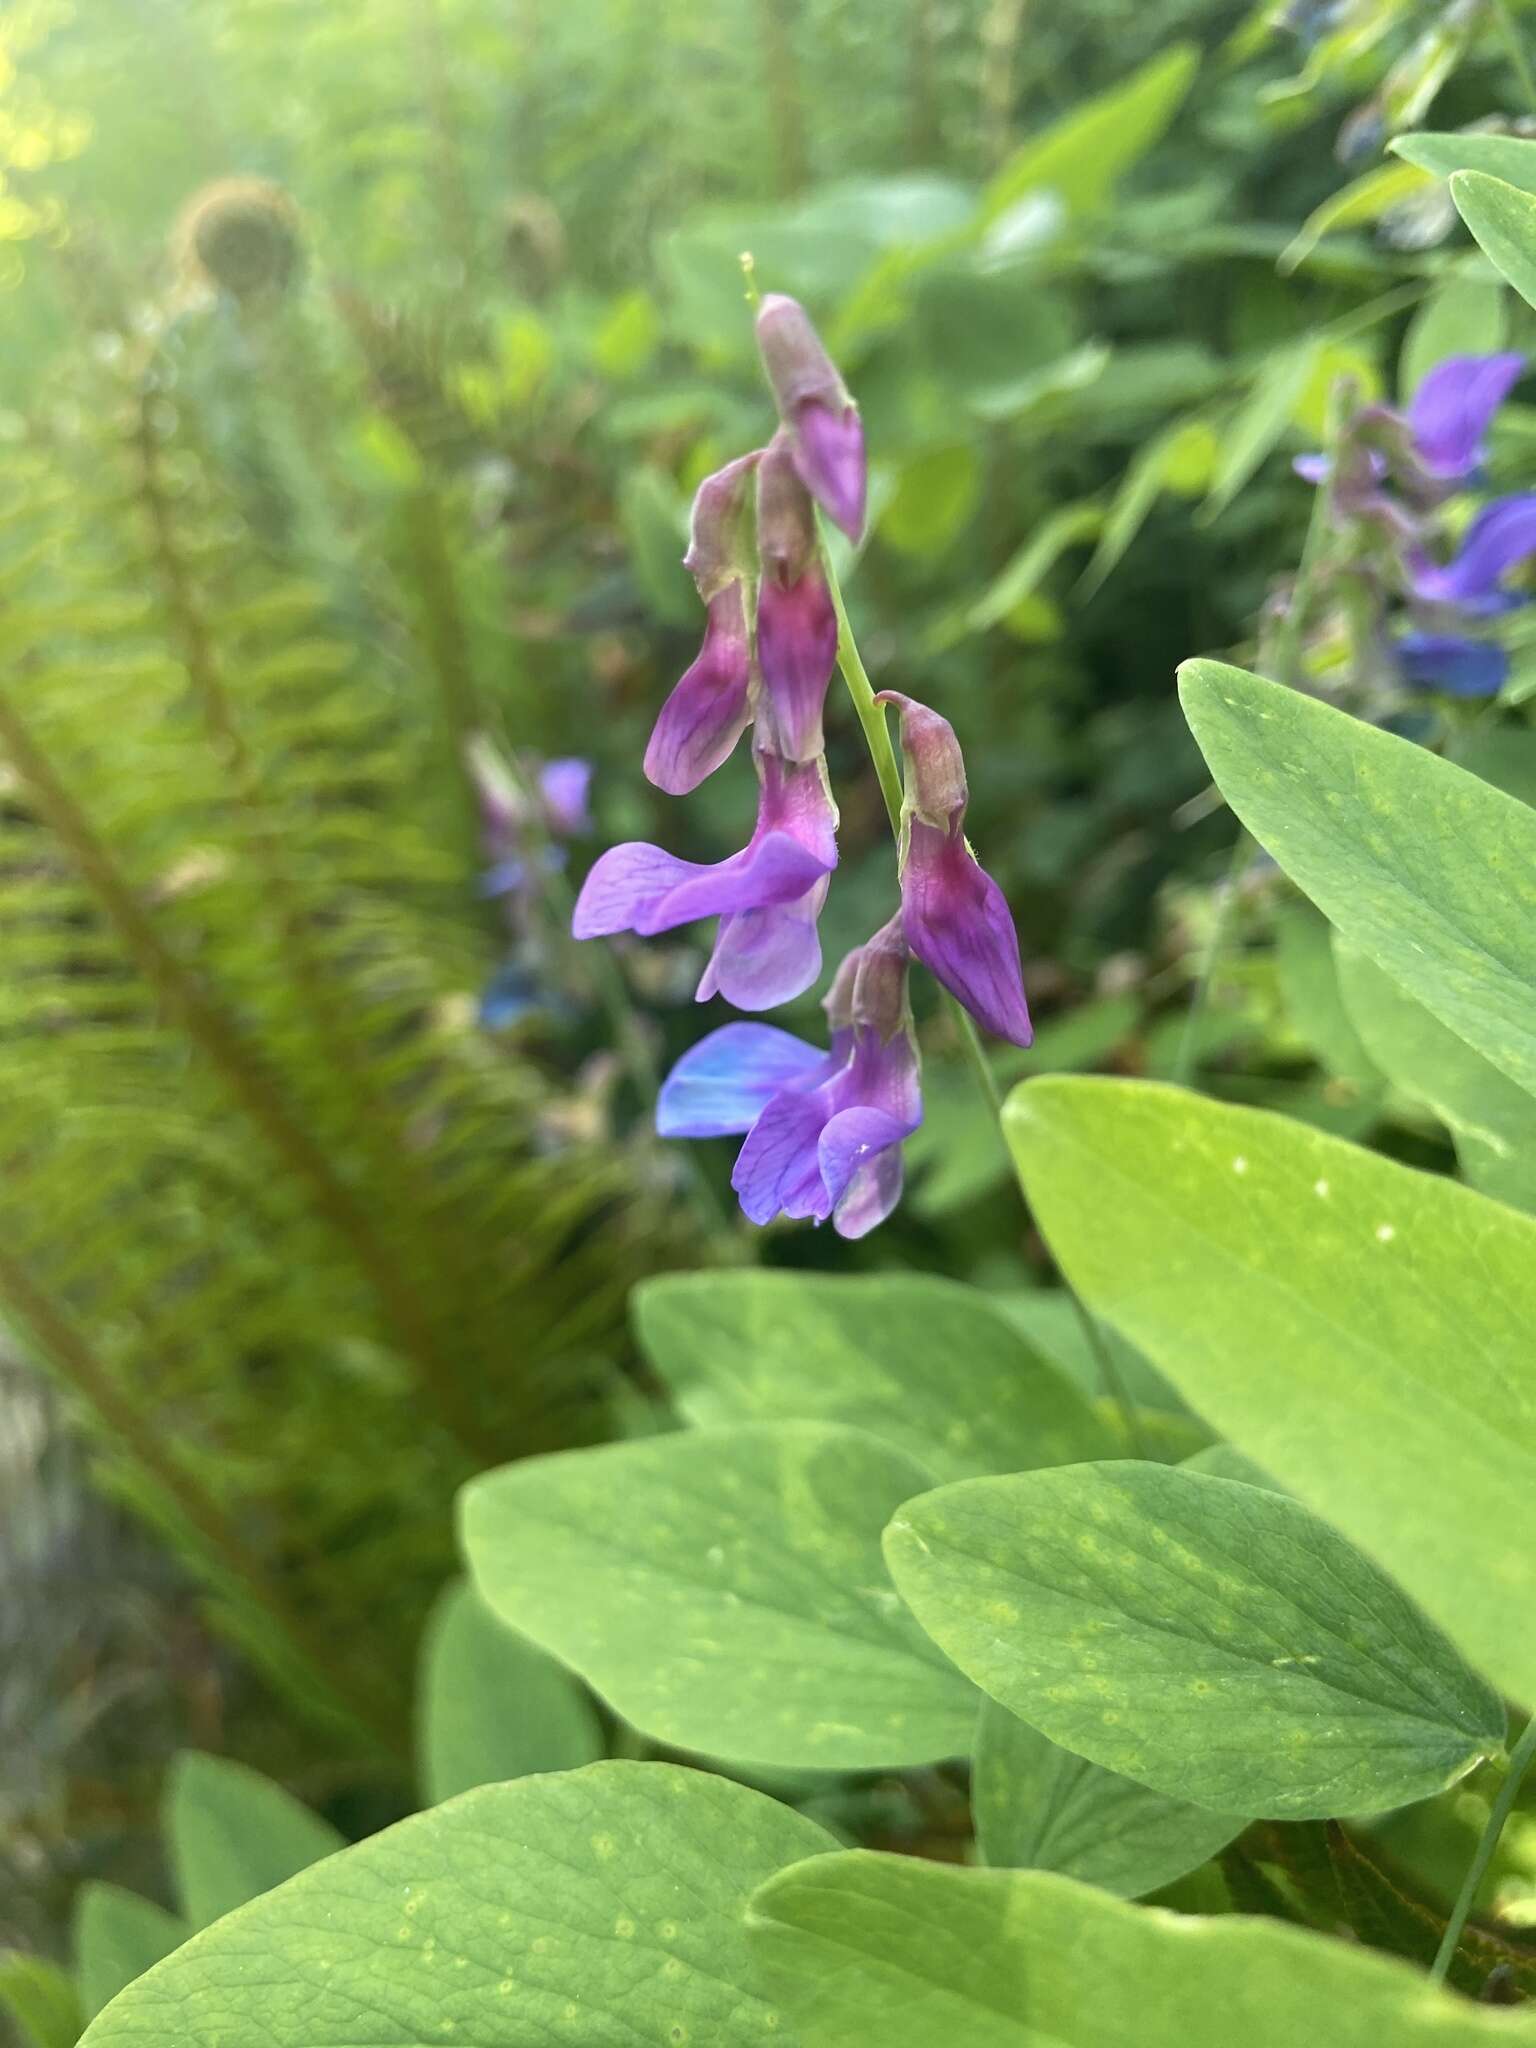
(359, 367)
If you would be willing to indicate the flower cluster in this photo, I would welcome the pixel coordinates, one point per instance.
(1395, 473)
(822, 1131)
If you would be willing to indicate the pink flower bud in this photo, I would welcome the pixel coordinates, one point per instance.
(720, 531)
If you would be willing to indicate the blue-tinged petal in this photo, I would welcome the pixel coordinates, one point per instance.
(872, 1194)
(1451, 411)
(1450, 662)
(1501, 537)
(721, 1087)
(766, 957)
(564, 785)
(956, 921)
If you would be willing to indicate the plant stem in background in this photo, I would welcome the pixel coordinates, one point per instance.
(878, 739)
(786, 100)
(1189, 1038)
(1477, 1869)
(1509, 28)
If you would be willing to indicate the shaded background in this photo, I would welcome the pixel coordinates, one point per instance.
(359, 367)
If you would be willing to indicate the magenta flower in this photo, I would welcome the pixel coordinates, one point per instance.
(955, 917)
(710, 709)
(826, 434)
(796, 622)
(767, 897)
(823, 1130)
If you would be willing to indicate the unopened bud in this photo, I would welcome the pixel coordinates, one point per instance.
(823, 421)
(786, 525)
(935, 784)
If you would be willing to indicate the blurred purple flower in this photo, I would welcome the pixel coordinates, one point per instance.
(823, 1130)
(709, 709)
(826, 434)
(1453, 663)
(796, 621)
(1451, 411)
(955, 917)
(1501, 537)
(564, 785)
(767, 897)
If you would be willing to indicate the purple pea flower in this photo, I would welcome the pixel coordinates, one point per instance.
(1451, 411)
(767, 897)
(1451, 662)
(955, 917)
(564, 786)
(823, 1130)
(710, 707)
(826, 434)
(796, 621)
(1501, 537)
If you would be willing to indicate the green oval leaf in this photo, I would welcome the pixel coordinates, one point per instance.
(724, 1590)
(1503, 219)
(1429, 870)
(1510, 157)
(1039, 1807)
(601, 1907)
(233, 1834)
(1362, 1330)
(116, 1936)
(863, 1948)
(492, 1706)
(1215, 1641)
(927, 1365)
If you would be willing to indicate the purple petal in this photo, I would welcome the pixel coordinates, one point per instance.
(563, 785)
(872, 1194)
(707, 712)
(766, 957)
(1453, 406)
(829, 457)
(957, 922)
(1312, 469)
(777, 1170)
(1449, 662)
(727, 1080)
(851, 1140)
(641, 888)
(796, 653)
(1502, 535)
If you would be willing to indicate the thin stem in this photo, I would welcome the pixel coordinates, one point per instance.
(1194, 1016)
(878, 738)
(1477, 1869)
(1510, 30)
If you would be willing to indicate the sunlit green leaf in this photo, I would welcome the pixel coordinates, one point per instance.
(1213, 1640)
(928, 1365)
(1503, 218)
(723, 1590)
(1510, 157)
(863, 1948)
(1422, 866)
(1360, 1329)
(600, 1906)
(1083, 154)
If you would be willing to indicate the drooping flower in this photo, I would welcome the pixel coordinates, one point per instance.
(796, 621)
(1436, 443)
(1452, 662)
(826, 433)
(823, 1130)
(767, 897)
(709, 709)
(955, 917)
(1501, 536)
